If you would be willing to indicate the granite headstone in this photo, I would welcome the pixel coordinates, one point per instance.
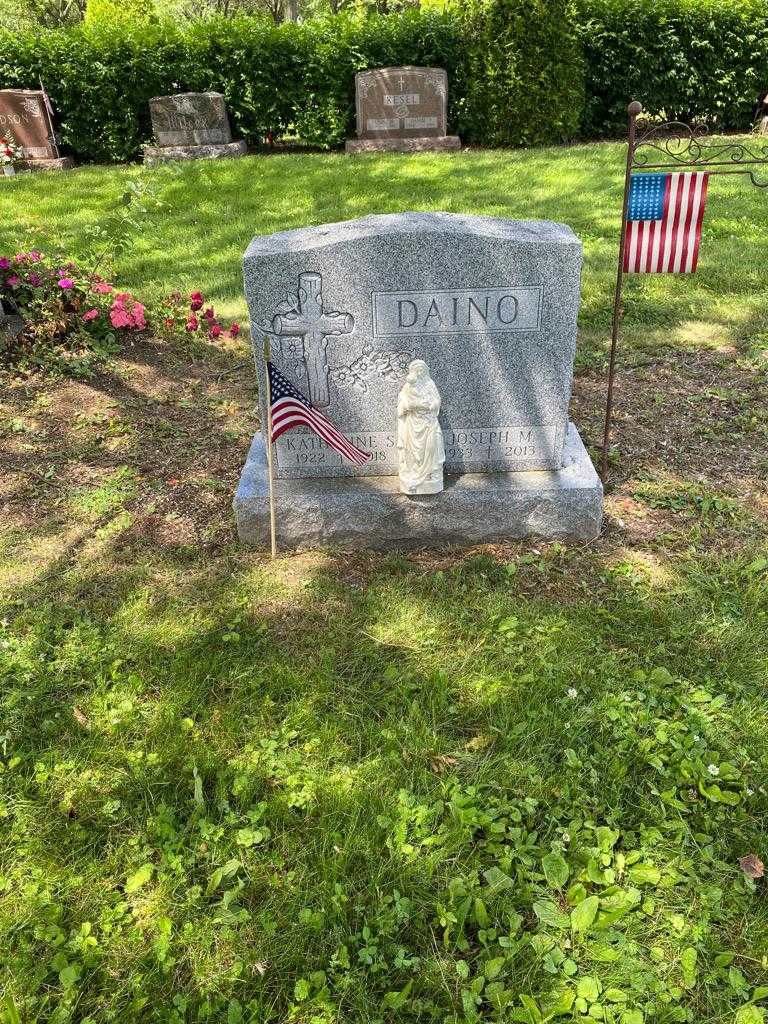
(491, 306)
(24, 113)
(401, 109)
(190, 125)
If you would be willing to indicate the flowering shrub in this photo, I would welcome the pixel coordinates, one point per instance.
(72, 320)
(181, 315)
(10, 151)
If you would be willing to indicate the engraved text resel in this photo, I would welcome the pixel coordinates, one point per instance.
(410, 99)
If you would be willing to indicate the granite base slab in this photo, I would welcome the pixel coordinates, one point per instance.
(164, 154)
(370, 511)
(440, 142)
(59, 163)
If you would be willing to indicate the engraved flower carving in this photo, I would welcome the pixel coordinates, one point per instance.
(388, 366)
(293, 350)
(381, 362)
(401, 361)
(343, 377)
(363, 366)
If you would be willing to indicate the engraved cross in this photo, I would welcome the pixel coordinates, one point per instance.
(311, 323)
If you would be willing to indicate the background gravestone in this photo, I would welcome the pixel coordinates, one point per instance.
(188, 126)
(23, 113)
(401, 109)
(491, 306)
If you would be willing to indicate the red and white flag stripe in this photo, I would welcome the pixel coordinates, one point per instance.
(288, 413)
(670, 245)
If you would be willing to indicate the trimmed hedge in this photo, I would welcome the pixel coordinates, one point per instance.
(523, 75)
(300, 78)
(101, 78)
(521, 72)
(685, 59)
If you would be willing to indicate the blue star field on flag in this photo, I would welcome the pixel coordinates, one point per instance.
(646, 196)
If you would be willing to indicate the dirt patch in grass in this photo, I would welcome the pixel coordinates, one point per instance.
(690, 442)
(160, 435)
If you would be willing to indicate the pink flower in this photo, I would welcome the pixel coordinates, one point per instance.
(209, 314)
(102, 288)
(138, 316)
(234, 330)
(122, 296)
(4, 263)
(215, 331)
(35, 256)
(34, 279)
(192, 323)
(168, 322)
(90, 315)
(197, 301)
(20, 257)
(66, 282)
(120, 317)
(13, 280)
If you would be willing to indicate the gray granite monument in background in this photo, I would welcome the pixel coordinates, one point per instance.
(189, 126)
(491, 306)
(26, 115)
(402, 110)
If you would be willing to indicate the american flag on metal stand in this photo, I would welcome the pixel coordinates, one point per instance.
(291, 409)
(664, 220)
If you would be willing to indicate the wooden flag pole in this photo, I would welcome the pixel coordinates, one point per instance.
(269, 449)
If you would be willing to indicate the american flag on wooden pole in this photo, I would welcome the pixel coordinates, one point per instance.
(289, 408)
(664, 219)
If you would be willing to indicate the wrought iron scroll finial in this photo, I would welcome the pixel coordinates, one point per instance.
(674, 145)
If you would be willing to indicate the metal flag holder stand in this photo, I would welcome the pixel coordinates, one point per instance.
(675, 146)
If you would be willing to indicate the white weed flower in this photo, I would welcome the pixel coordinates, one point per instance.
(750, 792)
(696, 739)
(573, 693)
(566, 837)
(713, 769)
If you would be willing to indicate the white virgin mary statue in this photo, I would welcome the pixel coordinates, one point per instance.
(420, 449)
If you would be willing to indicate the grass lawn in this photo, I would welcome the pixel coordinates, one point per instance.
(511, 783)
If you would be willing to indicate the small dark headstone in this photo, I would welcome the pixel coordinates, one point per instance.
(190, 125)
